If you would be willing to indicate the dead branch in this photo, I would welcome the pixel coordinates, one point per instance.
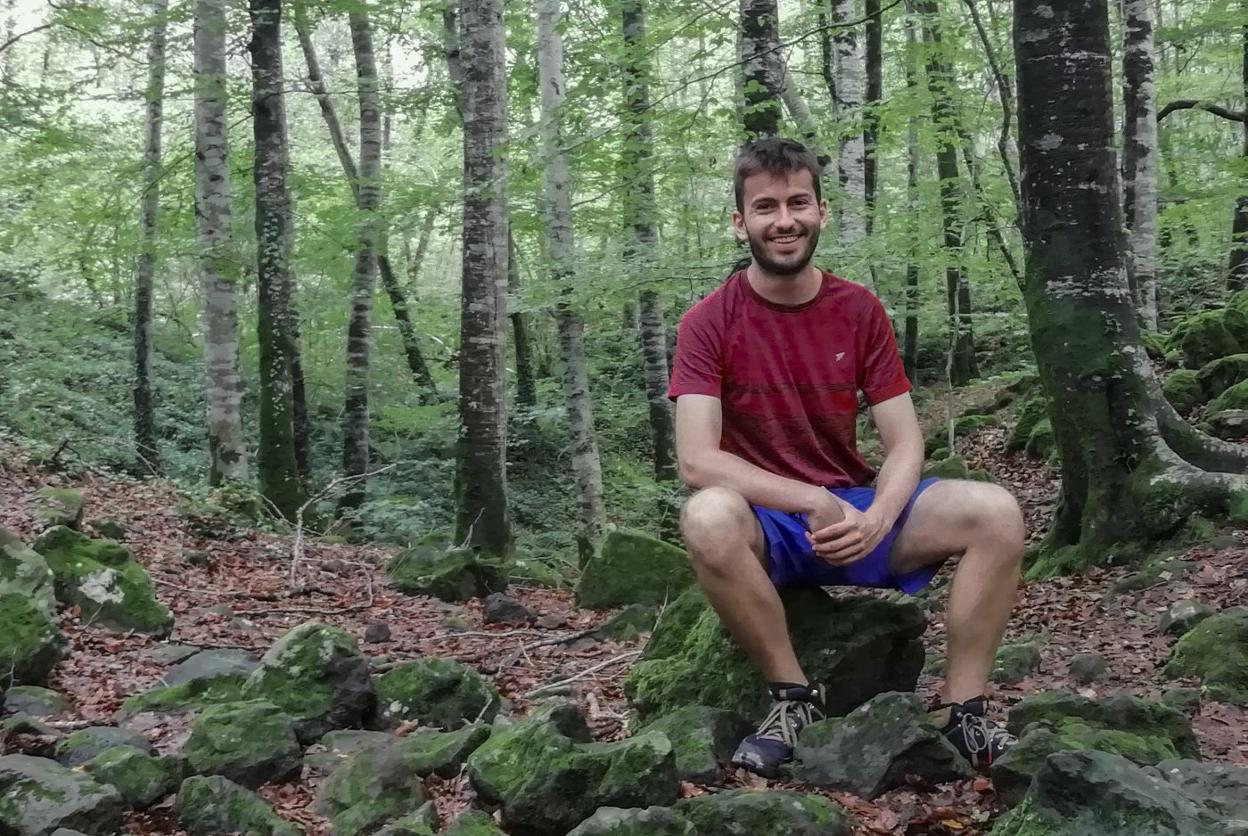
(590, 670)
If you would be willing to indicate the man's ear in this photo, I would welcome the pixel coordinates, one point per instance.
(823, 214)
(738, 226)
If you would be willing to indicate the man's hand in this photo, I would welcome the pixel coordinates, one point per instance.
(842, 541)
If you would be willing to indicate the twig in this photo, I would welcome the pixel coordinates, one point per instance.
(582, 674)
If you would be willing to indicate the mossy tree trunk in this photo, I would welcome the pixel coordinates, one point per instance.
(760, 36)
(1237, 266)
(1122, 483)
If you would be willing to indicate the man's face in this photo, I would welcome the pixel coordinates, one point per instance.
(780, 219)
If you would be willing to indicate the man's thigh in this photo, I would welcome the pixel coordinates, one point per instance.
(940, 524)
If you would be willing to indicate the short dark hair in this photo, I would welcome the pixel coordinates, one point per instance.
(773, 155)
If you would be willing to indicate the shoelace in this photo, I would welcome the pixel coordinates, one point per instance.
(980, 736)
(780, 721)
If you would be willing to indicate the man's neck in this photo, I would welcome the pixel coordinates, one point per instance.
(794, 290)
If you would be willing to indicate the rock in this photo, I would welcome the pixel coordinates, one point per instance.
(1034, 410)
(195, 695)
(1219, 787)
(1086, 668)
(208, 806)
(30, 643)
(1182, 388)
(635, 821)
(499, 609)
(454, 575)
(423, 822)
(196, 557)
(553, 621)
(1014, 662)
(1228, 424)
(1216, 652)
(103, 579)
(171, 654)
(953, 467)
(85, 744)
(1154, 574)
(1221, 374)
(61, 506)
(378, 632)
(1204, 337)
(38, 738)
(633, 568)
(1041, 443)
(1186, 700)
(863, 645)
(211, 664)
(1154, 345)
(546, 780)
(527, 571)
(251, 743)
(110, 529)
(627, 624)
(875, 747)
(456, 623)
(141, 779)
(1182, 616)
(1234, 398)
(317, 675)
(764, 813)
(674, 622)
(473, 823)
(35, 701)
(702, 738)
(963, 426)
(1121, 712)
(23, 571)
(338, 747)
(435, 692)
(38, 796)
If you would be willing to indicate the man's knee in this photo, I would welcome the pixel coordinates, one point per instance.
(717, 525)
(994, 514)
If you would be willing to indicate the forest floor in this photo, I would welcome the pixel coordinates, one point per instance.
(237, 591)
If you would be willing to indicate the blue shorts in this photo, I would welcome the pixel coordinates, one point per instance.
(794, 562)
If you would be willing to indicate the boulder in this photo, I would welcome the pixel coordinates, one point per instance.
(317, 675)
(61, 506)
(500, 609)
(1182, 388)
(1155, 345)
(424, 822)
(141, 779)
(188, 697)
(85, 744)
(634, 821)
(1234, 398)
(673, 623)
(1186, 700)
(38, 796)
(30, 643)
(377, 632)
(1216, 652)
(23, 571)
(1229, 424)
(1182, 616)
(1218, 375)
(251, 743)
(954, 467)
(1086, 668)
(35, 701)
(767, 813)
(435, 692)
(454, 575)
(211, 805)
(1041, 442)
(547, 778)
(338, 747)
(210, 664)
(1034, 410)
(702, 738)
(1121, 712)
(103, 579)
(876, 747)
(473, 823)
(1014, 662)
(112, 529)
(963, 426)
(627, 624)
(1204, 337)
(633, 568)
(863, 645)
(1219, 787)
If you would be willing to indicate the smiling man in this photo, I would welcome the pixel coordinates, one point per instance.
(766, 380)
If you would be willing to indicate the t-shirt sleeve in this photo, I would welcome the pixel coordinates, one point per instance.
(881, 375)
(698, 366)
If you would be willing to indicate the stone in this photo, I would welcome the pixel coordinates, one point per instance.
(1041, 443)
(103, 579)
(953, 467)
(317, 675)
(627, 624)
(85, 744)
(211, 805)
(1228, 424)
(141, 779)
(1014, 662)
(1154, 345)
(531, 572)
(38, 738)
(1120, 712)
(1204, 337)
(473, 823)
(1153, 574)
(171, 654)
(546, 777)
(38, 796)
(633, 568)
(211, 664)
(1182, 616)
(1086, 668)
(963, 426)
(764, 813)
(435, 692)
(338, 747)
(189, 697)
(634, 821)
(1182, 699)
(61, 506)
(875, 747)
(1182, 388)
(109, 529)
(1221, 788)
(23, 571)
(1033, 410)
(378, 632)
(1216, 652)
(196, 558)
(674, 622)
(702, 737)
(30, 643)
(424, 822)
(454, 575)
(1233, 398)
(251, 743)
(500, 609)
(864, 645)
(1221, 374)
(35, 701)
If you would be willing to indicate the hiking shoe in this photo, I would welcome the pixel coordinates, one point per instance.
(767, 750)
(980, 740)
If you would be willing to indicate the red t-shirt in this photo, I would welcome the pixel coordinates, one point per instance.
(788, 376)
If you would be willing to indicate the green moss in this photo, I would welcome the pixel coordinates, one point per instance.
(195, 695)
(30, 643)
(953, 467)
(1206, 336)
(209, 805)
(963, 426)
(1154, 344)
(1145, 731)
(1221, 374)
(674, 623)
(455, 575)
(473, 823)
(1034, 410)
(61, 506)
(1216, 652)
(633, 568)
(764, 813)
(437, 692)
(141, 779)
(1041, 443)
(251, 743)
(1183, 389)
(1235, 397)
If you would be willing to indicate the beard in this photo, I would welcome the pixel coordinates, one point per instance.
(784, 265)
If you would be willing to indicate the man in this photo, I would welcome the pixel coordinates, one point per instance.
(766, 380)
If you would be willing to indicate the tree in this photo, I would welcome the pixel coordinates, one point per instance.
(526, 384)
(1139, 155)
(910, 340)
(1237, 265)
(145, 269)
(482, 518)
(850, 92)
(227, 448)
(1128, 471)
(759, 42)
(871, 120)
(280, 373)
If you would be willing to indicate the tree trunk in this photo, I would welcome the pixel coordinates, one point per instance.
(910, 351)
(870, 119)
(850, 91)
(1139, 155)
(417, 259)
(1005, 93)
(1121, 481)
(760, 37)
(480, 478)
(640, 216)
(526, 384)
(1237, 266)
(561, 247)
(280, 369)
(227, 447)
(145, 442)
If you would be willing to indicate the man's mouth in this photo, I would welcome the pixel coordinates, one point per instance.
(786, 239)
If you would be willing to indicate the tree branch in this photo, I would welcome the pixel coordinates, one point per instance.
(21, 35)
(1196, 104)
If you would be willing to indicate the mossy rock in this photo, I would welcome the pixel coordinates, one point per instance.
(1216, 652)
(102, 578)
(424, 822)
(141, 779)
(192, 696)
(61, 506)
(473, 823)
(954, 467)
(30, 643)
(1086, 668)
(208, 806)
(530, 571)
(1206, 336)
(627, 624)
(634, 821)
(35, 701)
(1228, 425)
(1014, 662)
(1155, 344)
(864, 645)
(251, 743)
(674, 623)
(765, 813)
(963, 426)
(1182, 616)
(435, 692)
(1122, 712)
(454, 575)
(23, 571)
(1182, 388)
(317, 675)
(633, 568)
(1041, 443)
(702, 737)
(1216, 376)
(1034, 410)
(86, 744)
(38, 796)
(1235, 397)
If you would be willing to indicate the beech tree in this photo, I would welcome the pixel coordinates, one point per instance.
(1139, 155)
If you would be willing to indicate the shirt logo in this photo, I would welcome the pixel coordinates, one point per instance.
(840, 355)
